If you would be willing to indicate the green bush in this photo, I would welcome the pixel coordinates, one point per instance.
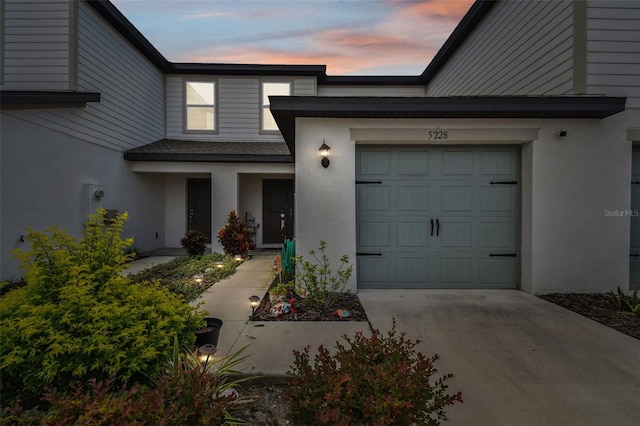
(376, 380)
(321, 284)
(188, 393)
(626, 303)
(78, 318)
(195, 242)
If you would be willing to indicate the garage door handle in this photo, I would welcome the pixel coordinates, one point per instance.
(437, 227)
(432, 227)
(503, 255)
(368, 254)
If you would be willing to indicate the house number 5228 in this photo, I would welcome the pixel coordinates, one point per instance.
(438, 135)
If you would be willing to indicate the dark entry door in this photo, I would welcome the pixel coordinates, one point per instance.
(277, 213)
(199, 206)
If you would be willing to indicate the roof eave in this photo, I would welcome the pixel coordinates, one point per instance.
(207, 158)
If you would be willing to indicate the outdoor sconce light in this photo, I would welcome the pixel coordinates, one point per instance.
(254, 301)
(206, 352)
(324, 153)
(198, 278)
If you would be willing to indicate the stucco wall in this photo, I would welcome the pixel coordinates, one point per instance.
(44, 180)
(569, 242)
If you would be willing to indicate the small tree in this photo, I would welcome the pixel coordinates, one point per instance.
(235, 237)
(79, 318)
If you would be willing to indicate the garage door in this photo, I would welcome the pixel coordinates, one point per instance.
(634, 270)
(437, 217)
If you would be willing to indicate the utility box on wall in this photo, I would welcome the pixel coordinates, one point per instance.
(94, 195)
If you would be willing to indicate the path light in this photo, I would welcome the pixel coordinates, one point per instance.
(324, 153)
(254, 301)
(198, 278)
(238, 257)
(219, 264)
(206, 352)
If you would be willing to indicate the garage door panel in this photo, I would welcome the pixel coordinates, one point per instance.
(374, 198)
(373, 271)
(498, 163)
(412, 234)
(456, 198)
(456, 234)
(376, 163)
(635, 197)
(497, 272)
(373, 234)
(634, 246)
(634, 274)
(412, 163)
(497, 199)
(497, 235)
(456, 271)
(412, 270)
(413, 198)
(457, 163)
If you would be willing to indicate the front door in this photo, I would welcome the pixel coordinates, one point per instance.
(277, 212)
(199, 206)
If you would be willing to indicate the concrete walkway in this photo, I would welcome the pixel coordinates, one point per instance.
(517, 359)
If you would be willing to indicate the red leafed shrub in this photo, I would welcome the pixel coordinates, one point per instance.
(235, 236)
(377, 380)
(195, 242)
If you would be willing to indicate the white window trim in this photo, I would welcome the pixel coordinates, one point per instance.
(185, 107)
(262, 105)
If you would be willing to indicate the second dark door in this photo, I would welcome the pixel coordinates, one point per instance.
(277, 213)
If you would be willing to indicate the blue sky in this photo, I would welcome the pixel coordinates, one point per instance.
(351, 37)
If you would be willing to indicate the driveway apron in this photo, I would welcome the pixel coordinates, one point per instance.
(517, 359)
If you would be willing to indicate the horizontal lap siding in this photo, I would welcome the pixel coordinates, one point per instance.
(521, 48)
(36, 36)
(613, 49)
(237, 106)
(131, 108)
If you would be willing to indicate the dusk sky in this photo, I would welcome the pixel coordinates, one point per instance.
(351, 37)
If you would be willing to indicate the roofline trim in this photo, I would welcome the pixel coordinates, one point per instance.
(208, 158)
(35, 97)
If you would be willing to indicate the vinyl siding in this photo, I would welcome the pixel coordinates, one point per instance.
(371, 91)
(131, 108)
(520, 48)
(613, 49)
(237, 106)
(36, 36)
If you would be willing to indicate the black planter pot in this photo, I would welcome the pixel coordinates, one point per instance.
(210, 334)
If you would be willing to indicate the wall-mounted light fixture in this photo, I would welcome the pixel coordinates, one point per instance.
(324, 153)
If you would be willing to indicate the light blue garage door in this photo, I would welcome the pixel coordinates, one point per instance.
(634, 270)
(437, 217)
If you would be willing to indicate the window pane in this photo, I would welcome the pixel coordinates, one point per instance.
(268, 122)
(200, 93)
(200, 118)
(272, 89)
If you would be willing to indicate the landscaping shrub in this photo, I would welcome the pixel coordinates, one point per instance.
(188, 393)
(195, 242)
(626, 303)
(235, 236)
(377, 380)
(320, 283)
(78, 318)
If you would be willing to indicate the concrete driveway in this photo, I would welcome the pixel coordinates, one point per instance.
(517, 359)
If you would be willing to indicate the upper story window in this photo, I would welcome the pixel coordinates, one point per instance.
(271, 89)
(200, 106)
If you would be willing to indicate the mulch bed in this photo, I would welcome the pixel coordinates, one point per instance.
(346, 301)
(600, 308)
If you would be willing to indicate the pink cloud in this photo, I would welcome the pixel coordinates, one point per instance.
(204, 16)
(449, 9)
